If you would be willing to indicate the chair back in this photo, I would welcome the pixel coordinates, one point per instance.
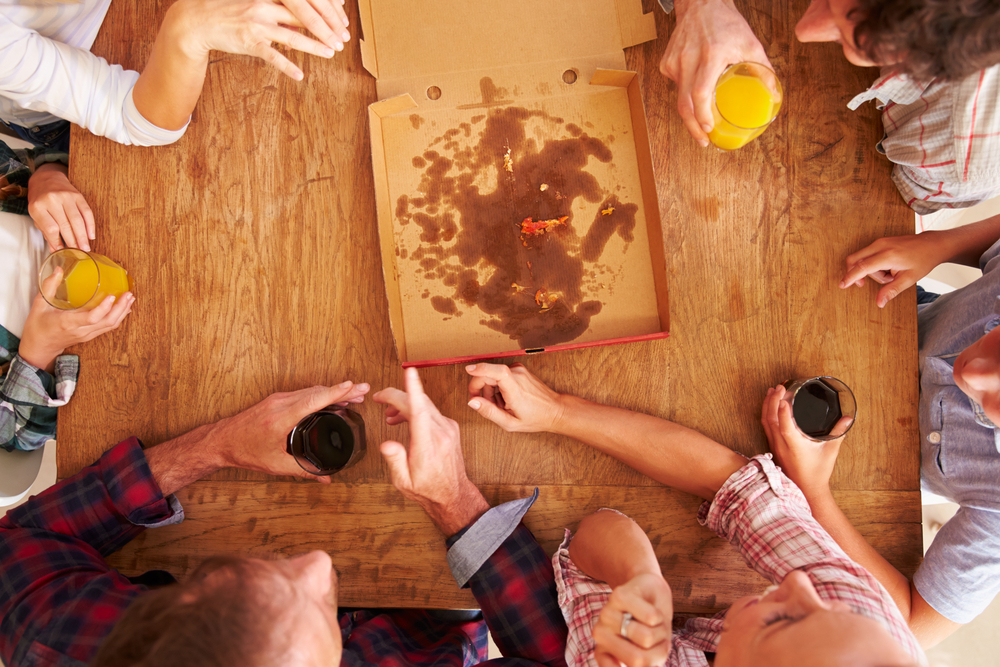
(18, 471)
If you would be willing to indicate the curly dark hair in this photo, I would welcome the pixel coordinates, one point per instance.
(946, 39)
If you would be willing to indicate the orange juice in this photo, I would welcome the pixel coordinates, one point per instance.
(744, 106)
(88, 278)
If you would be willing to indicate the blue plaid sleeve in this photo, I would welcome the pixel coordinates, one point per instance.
(29, 397)
(516, 589)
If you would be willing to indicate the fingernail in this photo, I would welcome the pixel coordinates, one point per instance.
(298, 76)
(328, 52)
(703, 142)
(345, 36)
(345, 385)
(364, 386)
(347, 22)
(474, 404)
(706, 127)
(470, 367)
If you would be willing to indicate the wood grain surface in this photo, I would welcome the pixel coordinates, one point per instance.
(253, 244)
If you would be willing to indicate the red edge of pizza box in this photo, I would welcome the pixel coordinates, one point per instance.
(458, 82)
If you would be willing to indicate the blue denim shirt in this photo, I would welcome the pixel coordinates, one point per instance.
(960, 574)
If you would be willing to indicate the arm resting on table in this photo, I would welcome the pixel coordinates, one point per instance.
(667, 452)
(610, 547)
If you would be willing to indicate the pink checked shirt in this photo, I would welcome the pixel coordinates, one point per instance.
(764, 515)
(944, 138)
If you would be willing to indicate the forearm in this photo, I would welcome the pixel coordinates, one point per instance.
(39, 354)
(186, 459)
(667, 452)
(829, 515)
(464, 507)
(681, 7)
(612, 548)
(966, 244)
(170, 85)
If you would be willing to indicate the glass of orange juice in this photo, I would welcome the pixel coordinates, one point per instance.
(747, 98)
(88, 278)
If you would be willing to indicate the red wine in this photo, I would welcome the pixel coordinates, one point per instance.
(328, 441)
(816, 408)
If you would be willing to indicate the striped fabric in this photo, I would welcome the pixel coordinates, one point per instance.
(47, 72)
(944, 138)
(763, 515)
(30, 397)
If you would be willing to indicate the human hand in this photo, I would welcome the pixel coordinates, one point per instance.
(513, 398)
(896, 263)
(432, 472)
(648, 599)
(48, 331)
(249, 27)
(256, 438)
(806, 462)
(58, 209)
(710, 35)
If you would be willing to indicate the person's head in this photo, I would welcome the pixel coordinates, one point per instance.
(234, 611)
(790, 625)
(947, 39)
(977, 373)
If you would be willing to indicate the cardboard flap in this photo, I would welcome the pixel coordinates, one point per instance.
(636, 27)
(405, 40)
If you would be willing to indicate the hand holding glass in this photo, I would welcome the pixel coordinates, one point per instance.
(88, 279)
(819, 404)
(328, 441)
(747, 98)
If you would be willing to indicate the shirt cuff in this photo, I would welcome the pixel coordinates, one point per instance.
(25, 384)
(143, 133)
(758, 476)
(668, 5)
(133, 489)
(473, 546)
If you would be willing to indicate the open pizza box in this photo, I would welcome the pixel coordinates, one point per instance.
(516, 200)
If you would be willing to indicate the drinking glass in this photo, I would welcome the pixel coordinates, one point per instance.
(87, 279)
(818, 404)
(328, 441)
(747, 98)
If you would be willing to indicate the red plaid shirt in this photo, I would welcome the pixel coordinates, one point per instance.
(764, 515)
(59, 599)
(944, 138)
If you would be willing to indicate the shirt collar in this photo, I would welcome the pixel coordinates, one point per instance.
(891, 86)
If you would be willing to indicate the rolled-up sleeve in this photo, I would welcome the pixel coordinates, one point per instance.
(44, 75)
(29, 399)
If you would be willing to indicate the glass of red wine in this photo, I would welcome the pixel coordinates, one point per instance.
(328, 441)
(819, 406)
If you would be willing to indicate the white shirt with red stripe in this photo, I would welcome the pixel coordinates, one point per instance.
(944, 137)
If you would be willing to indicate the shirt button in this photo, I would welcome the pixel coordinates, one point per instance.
(934, 438)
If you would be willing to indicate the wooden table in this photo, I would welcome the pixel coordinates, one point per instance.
(254, 246)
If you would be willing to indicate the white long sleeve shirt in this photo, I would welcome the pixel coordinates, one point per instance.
(47, 72)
